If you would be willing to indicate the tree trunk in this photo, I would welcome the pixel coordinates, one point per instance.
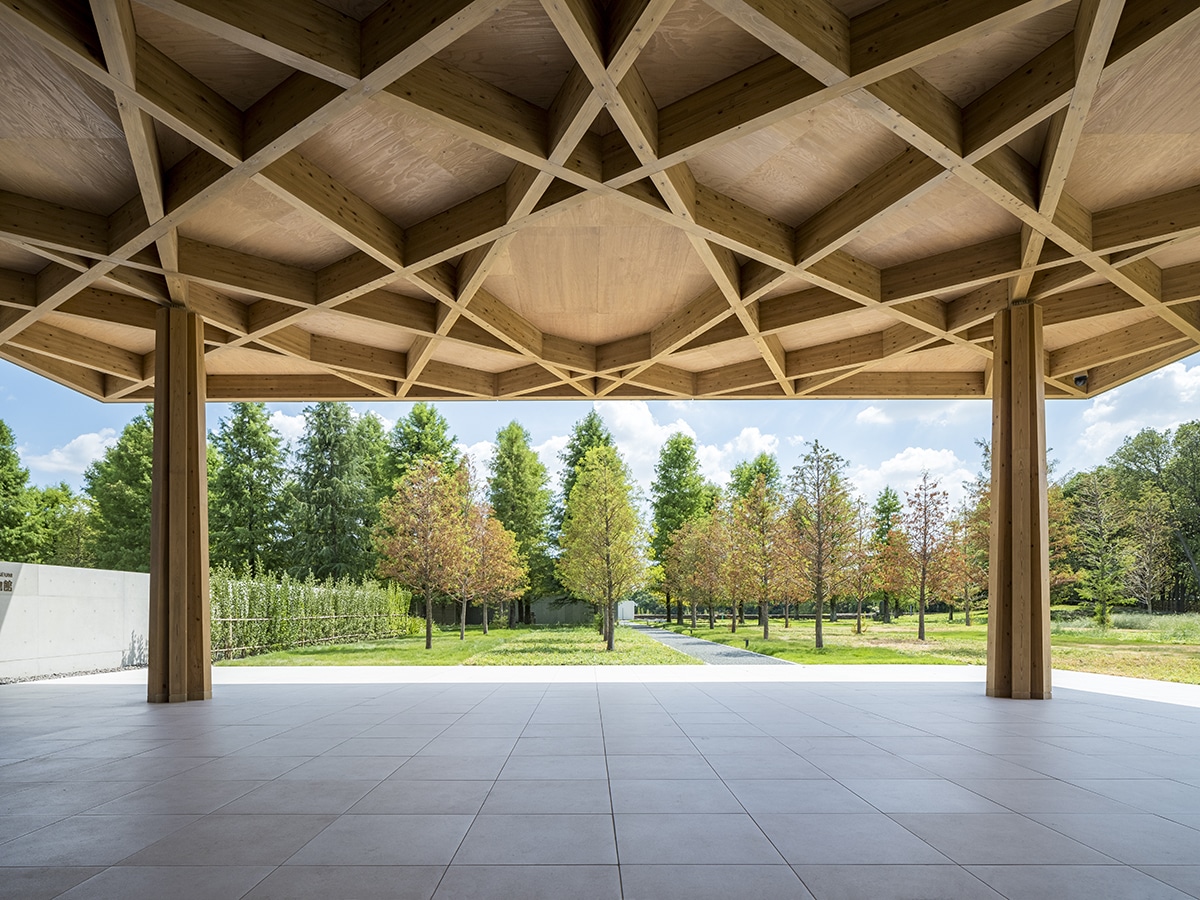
(741, 611)
(528, 619)
(833, 609)
(967, 607)
(858, 618)
(820, 599)
(712, 617)
(733, 618)
(765, 619)
(462, 622)
(693, 614)
(485, 618)
(786, 618)
(679, 610)
(608, 616)
(667, 597)
(428, 622)
(921, 610)
(885, 610)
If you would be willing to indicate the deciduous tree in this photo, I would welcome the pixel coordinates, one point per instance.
(118, 485)
(602, 557)
(755, 535)
(422, 534)
(925, 522)
(822, 515)
(518, 489)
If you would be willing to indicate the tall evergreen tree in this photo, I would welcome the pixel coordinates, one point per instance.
(678, 494)
(333, 509)
(745, 473)
(374, 442)
(245, 489)
(589, 432)
(1102, 544)
(424, 432)
(13, 485)
(885, 516)
(519, 494)
(602, 553)
(118, 485)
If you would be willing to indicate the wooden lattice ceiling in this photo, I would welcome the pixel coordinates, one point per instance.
(587, 198)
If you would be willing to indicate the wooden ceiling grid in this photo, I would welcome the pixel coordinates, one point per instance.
(580, 198)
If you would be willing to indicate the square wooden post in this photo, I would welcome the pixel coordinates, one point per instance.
(180, 647)
(1018, 664)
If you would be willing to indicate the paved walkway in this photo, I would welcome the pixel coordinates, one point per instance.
(708, 652)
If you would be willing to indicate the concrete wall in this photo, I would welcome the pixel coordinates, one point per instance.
(56, 620)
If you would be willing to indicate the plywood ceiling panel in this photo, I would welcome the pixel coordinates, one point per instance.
(801, 191)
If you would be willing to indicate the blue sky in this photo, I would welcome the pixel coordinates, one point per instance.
(885, 442)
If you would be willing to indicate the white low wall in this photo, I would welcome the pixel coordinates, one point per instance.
(56, 620)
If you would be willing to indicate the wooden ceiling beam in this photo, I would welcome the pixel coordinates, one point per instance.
(68, 346)
(79, 378)
(302, 34)
(1109, 375)
(1116, 345)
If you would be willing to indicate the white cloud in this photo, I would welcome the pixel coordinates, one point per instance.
(638, 435)
(289, 427)
(903, 471)
(547, 452)
(74, 456)
(873, 415)
(1163, 399)
(797, 440)
(480, 454)
(716, 460)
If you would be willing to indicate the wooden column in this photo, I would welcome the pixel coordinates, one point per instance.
(1019, 585)
(180, 647)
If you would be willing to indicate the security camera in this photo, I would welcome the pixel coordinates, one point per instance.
(1080, 381)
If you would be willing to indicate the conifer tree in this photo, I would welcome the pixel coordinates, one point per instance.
(424, 432)
(332, 508)
(245, 489)
(678, 494)
(118, 485)
(519, 494)
(588, 432)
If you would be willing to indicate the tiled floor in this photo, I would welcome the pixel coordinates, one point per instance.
(732, 787)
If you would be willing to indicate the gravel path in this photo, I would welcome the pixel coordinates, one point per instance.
(708, 652)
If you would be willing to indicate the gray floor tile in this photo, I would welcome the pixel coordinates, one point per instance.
(811, 795)
(64, 798)
(403, 798)
(299, 797)
(921, 795)
(894, 882)
(998, 839)
(559, 746)
(233, 840)
(671, 745)
(244, 768)
(360, 746)
(445, 768)
(88, 840)
(692, 838)
(861, 766)
(1043, 795)
(685, 796)
(176, 798)
(655, 768)
(842, 838)
(359, 882)
(721, 882)
(380, 840)
(176, 882)
(554, 768)
(345, 768)
(468, 746)
(538, 840)
(1158, 796)
(1132, 839)
(1075, 883)
(555, 797)
(12, 827)
(530, 883)
(1185, 878)
(44, 883)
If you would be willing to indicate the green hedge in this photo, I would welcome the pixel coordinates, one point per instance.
(255, 614)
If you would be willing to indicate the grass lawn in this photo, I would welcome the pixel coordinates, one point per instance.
(536, 646)
(1161, 647)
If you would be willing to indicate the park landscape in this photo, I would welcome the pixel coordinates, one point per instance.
(359, 546)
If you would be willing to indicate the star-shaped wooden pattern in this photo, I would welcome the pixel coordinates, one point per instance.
(598, 198)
